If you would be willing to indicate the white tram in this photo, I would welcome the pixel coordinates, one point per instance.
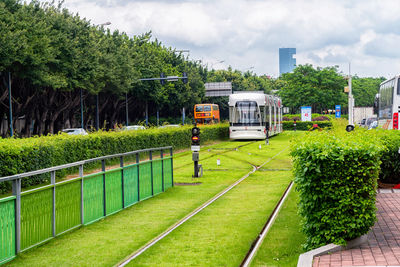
(251, 112)
(388, 103)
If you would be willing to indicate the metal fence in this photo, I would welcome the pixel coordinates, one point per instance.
(32, 217)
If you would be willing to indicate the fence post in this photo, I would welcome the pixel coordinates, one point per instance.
(172, 167)
(138, 179)
(151, 167)
(16, 190)
(82, 200)
(121, 164)
(53, 182)
(162, 170)
(103, 169)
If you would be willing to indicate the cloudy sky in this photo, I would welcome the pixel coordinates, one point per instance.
(246, 34)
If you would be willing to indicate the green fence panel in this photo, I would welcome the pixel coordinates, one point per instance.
(68, 205)
(145, 180)
(7, 229)
(113, 190)
(93, 197)
(167, 173)
(130, 185)
(157, 176)
(36, 217)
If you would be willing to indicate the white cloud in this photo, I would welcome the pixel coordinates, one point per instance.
(246, 33)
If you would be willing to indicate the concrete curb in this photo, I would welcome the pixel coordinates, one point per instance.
(306, 259)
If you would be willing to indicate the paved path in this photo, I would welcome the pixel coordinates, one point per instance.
(383, 247)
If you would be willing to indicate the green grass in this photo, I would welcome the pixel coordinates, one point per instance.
(221, 234)
(282, 245)
(110, 240)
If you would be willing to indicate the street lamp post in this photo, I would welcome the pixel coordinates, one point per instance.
(81, 95)
(97, 112)
(104, 24)
(163, 79)
(248, 69)
(97, 96)
(218, 62)
(10, 104)
(126, 109)
(351, 100)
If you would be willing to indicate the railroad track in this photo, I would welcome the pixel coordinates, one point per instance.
(220, 152)
(260, 238)
(154, 241)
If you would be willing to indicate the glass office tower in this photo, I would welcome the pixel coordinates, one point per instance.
(286, 60)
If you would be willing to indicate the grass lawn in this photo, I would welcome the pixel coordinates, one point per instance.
(282, 245)
(221, 234)
(112, 239)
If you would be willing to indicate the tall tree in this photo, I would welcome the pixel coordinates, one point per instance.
(320, 88)
(365, 89)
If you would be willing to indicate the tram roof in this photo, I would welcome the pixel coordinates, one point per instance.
(257, 96)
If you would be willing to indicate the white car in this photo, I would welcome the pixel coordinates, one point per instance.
(134, 128)
(75, 131)
(170, 126)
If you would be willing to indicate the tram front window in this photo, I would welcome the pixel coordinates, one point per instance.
(246, 114)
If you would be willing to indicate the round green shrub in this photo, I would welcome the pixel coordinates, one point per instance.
(336, 176)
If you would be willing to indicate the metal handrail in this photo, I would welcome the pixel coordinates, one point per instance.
(17, 190)
(77, 163)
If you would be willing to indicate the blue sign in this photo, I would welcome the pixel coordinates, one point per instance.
(337, 111)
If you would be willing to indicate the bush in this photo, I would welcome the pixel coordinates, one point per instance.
(298, 116)
(23, 155)
(390, 167)
(304, 125)
(336, 176)
(320, 118)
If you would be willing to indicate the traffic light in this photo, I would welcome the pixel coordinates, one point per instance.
(195, 136)
(162, 81)
(185, 78)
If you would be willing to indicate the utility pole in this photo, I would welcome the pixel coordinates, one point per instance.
(97, 112)
(10, 104)
(351, 100)
(81, 96)
(126, 109)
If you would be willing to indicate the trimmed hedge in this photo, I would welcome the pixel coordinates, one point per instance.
(390, 167)
(23, 155)
(336, 176)
(305, 125)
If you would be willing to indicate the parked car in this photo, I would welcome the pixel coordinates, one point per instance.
(75, 131)
(373, 125)
(170, 126)
(134, 128)
(368, 122)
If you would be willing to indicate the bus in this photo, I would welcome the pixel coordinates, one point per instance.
(388, 104)
(251, 113)
(206, 114)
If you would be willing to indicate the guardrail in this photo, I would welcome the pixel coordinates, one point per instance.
(32, 217)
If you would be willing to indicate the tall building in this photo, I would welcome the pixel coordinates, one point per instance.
(286, 60)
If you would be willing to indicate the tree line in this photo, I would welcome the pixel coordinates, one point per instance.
(54, 56)
(323, 88)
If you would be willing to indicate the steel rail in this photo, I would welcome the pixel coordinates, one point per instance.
(260, 238)
(190, 215)
(213, 154)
